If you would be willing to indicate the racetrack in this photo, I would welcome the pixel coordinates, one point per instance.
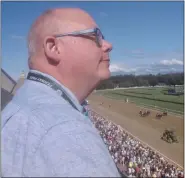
(147, 129)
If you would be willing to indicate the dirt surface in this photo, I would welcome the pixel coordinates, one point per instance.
(148, 129)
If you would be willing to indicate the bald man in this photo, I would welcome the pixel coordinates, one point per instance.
(44, 130)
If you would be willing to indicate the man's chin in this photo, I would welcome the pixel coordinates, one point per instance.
(104, 75)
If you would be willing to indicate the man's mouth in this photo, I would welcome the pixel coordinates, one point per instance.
(108, 60)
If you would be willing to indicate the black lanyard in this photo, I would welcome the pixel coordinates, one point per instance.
(52, 84)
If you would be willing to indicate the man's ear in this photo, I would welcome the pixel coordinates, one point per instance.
(52, 50)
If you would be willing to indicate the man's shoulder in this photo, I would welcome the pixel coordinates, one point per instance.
(33, 98)
(33, 94)
(47, 114)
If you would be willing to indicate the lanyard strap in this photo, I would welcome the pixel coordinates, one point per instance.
(52, 84)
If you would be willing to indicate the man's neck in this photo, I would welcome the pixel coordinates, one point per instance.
(79, 89)
(67, 92)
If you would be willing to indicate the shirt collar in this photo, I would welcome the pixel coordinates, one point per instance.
(71, 96)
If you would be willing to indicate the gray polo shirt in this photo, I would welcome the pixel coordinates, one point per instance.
(43, 135)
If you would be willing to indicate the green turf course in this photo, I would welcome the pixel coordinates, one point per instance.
(149, 96)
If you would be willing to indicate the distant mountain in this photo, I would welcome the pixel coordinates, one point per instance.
(141, 73)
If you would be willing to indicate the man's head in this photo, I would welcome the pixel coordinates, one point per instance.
(79, 60)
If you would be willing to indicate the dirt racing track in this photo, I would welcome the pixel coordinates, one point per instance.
(148, 129)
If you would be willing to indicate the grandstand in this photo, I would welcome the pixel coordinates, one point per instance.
(9, 86)
(7, 82)
(179, 88)
(5, 98)
(176, 90)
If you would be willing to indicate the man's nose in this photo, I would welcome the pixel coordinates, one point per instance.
(107, 47)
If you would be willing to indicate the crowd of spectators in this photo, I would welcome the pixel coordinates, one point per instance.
(131, 157)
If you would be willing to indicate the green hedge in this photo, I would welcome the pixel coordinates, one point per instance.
(137, 92)
(175, 102)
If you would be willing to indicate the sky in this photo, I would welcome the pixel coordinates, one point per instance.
(147, 37)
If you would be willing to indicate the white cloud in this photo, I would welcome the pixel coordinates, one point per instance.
(103, 14)
(153, 68)
(137, 51)
(121, 68)
(171, 62)
(173, 69)
(148, 70)
(18, 37)
(115, 68)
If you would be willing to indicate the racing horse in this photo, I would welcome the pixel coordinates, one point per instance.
(159, 116)
(165, 113)
(144, 113)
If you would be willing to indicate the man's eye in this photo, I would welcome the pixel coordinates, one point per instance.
(93, 34)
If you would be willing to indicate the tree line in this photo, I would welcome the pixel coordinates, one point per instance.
(142, 80)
